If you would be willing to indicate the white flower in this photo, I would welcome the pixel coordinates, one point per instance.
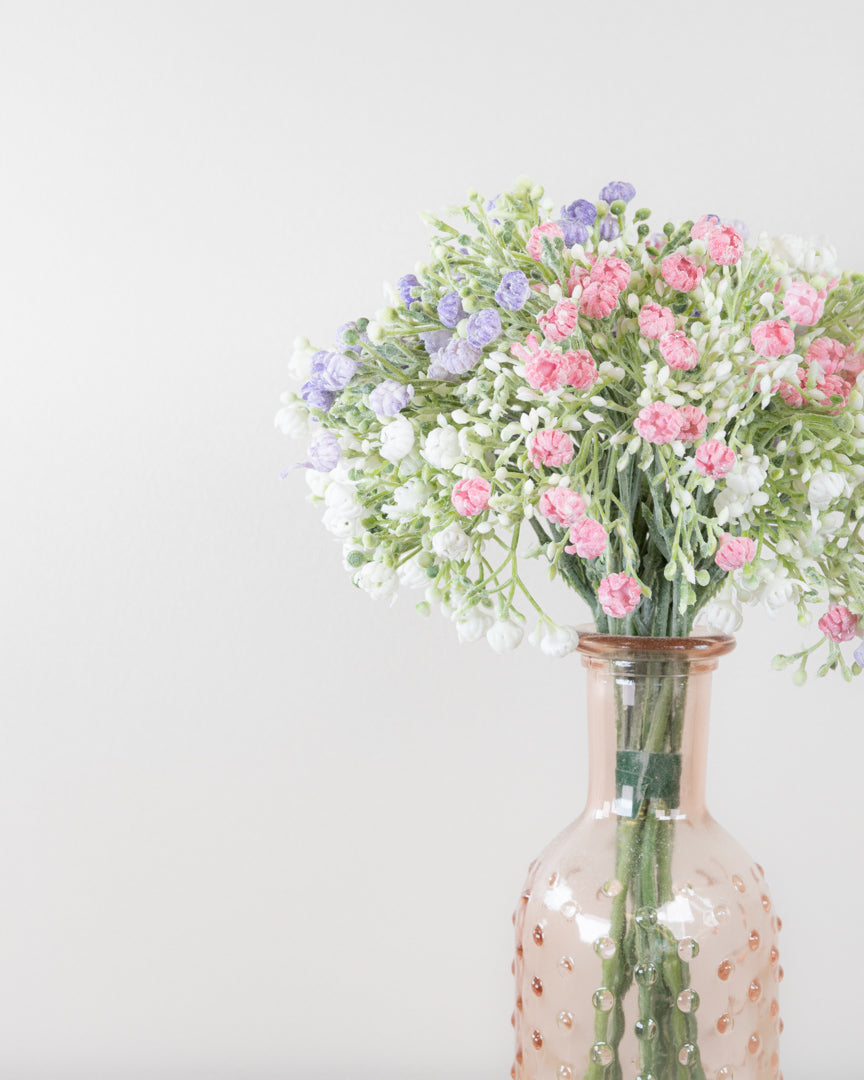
(341, 497)
(397, 439)
(747, 476)
(555, 640)
(472, 625)
(451, 543)
(412, 575)
(721, 616)
(812, 256)
(824, 488)
(293, 420)
(442, 449)
(779, 591)
(301, 360)
(318, 482)
(407, 499)
(504, 636)
(377, 579)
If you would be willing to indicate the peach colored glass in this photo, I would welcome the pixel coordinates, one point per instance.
(646, 939)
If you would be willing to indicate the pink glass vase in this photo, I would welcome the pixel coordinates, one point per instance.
(646, 939)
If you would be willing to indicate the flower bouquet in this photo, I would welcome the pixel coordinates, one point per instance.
(674, 421)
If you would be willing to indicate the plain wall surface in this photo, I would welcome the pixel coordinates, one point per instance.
(254, 825)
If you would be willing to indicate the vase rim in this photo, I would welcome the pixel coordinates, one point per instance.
(700, 645)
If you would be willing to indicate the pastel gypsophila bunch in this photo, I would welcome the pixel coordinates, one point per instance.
(675, 419)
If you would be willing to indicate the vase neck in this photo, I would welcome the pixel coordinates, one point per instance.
(648, 712)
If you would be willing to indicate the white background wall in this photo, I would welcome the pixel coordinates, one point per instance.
(252, 824)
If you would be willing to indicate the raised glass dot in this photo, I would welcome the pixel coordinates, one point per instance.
(685, 889)
(566, 965)
(775, 1007)
(537, 1039)
(774, 955)
(537, 986)
(754, 991)
(565, 1020)
(519, 950)
(738, 882)
(552, 880)
(518, 1057)
(526, 896)
(605, 947)
(688, 948)
(725, 1073)
(780, 1026)
(513, 968)
(759, 868)
(754, 940)
(778, 973)
(512, 1072)
(612, 887)
(645, 974)
(565, 1072)
(775, 1060)
(646, 1028)
(687, 1001)
(766, 902)
(519, 1004)
(722, 913)
(725, 1023)
(754, 871)
(569, 909)
(603, 999)
(602, 1053)
(513, 1019)
(753, 1043)
(686, 1054)
(646, 917)
(725, 969)
(779, 924)
(537, 934)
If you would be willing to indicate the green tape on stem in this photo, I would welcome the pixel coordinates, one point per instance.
(641, 776)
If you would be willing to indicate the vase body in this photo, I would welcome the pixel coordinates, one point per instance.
(646, 938)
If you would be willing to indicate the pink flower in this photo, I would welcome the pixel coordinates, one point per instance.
(678, 350)
(853, 364)
(471, 497)
(834, 386)
(654, 320)
(559, 321)
(562, 505)
(551, 448)
(772, 338)
(658, 423)
(578, 369)
(612, 270)
(791, 394)
(599, 298)
(714, 458)
(542, 369)
(704, 225)
(693, 423)
(734, 552)
(725, 245)
(619, 594)
(578, 276)
(587, 539)
(839, 624)
(681, 272)
(827, 353)
(535, 243)
(803, 304)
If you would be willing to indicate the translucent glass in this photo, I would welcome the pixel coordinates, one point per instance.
(646, 938)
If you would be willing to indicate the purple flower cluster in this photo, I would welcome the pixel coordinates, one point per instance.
(575, 221)
(483, 327)
(514, 290)
(609, 228)
(405, 285)
(457, 357)
(450, 310)
(324, 452)
(389, 398)
(618, 189)
(331, 372)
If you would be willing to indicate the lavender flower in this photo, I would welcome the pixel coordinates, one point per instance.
(457, 357)
(450, 310)
(581, 210)
(342, 340)
(333, 370)
(483, 327)
(315, 396)
(389, 398)
(609, 228)
(514, 290)
(574, 231)
(435, 340)
(858, 655)
(324, 452)
(617, 189)
(405, 285)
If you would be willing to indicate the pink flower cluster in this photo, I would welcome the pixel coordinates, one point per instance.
(660, 423)
(471, 497)
(714, 458)
(655, 320)
(678, 350)
(839, 624)
(619, 594)
(535, 242)
(550, 369)
(838, 367)
(587, 538)
(562, 506)
(550, 447)
(772, 338)
(734, 551)
(725, 244)
(601, 285)
(803, 304)
(681, 272)
(559, 321)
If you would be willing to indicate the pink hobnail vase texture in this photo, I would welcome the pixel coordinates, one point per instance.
(646, 937)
